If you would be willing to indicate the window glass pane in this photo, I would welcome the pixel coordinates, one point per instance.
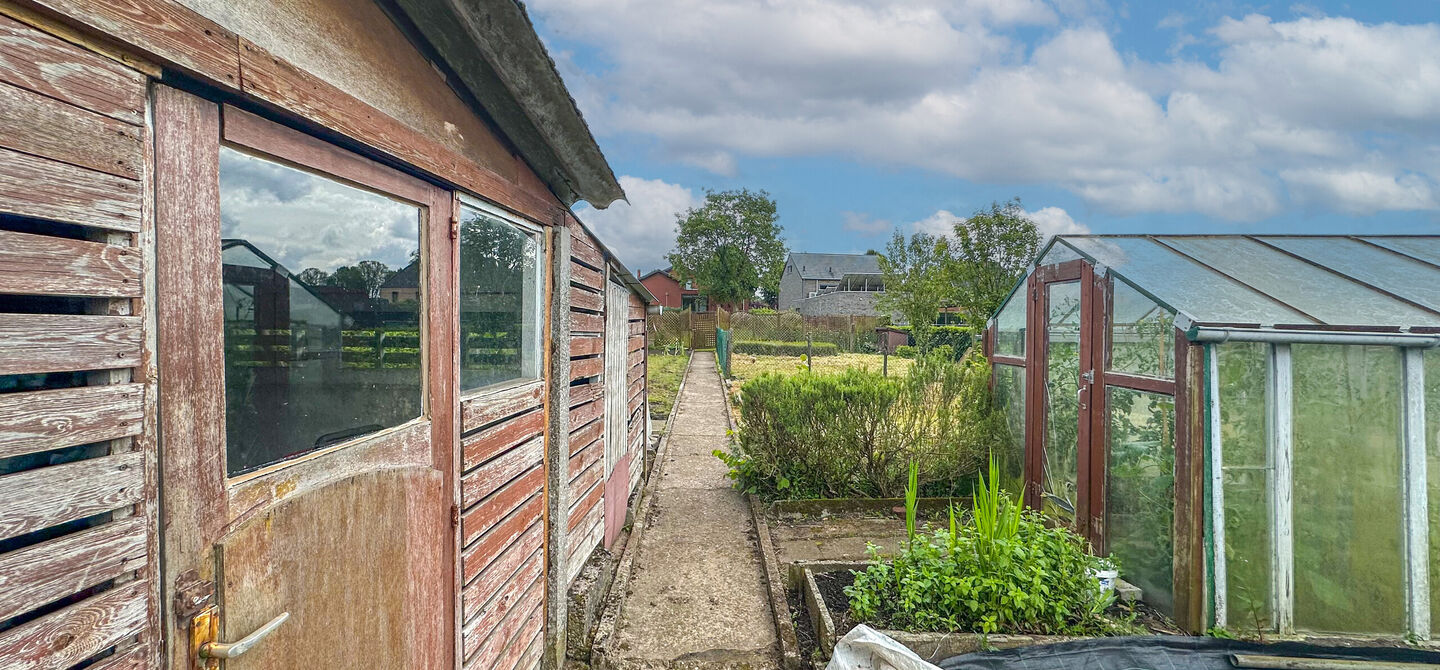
(1062, 400)
(1142, 334)
(1010, 398)
(499, 301)
(1140, 491)
(1245, 476)
(1185, 285)
(1010, 326)
(1059, 253)
(1432, 466)
(1349, 573)
(1424, 248)
(1397, 274)
(322, 311)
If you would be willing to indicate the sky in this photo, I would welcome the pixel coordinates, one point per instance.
(866, 117)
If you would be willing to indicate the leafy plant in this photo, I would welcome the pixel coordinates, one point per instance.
(1005, 570)
(912, 495)
(785, 348)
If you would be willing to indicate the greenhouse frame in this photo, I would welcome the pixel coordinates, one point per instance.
(1239, 420)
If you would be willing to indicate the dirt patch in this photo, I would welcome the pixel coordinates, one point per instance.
(832, 589)
(804, 628)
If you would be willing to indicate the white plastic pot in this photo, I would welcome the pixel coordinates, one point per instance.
(1106, 578)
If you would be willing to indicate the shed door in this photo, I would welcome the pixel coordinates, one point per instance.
(306, 420)
(617, 461)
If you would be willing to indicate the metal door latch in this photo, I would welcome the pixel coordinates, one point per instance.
(205, 634)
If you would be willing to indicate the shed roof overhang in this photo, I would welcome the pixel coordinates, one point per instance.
(491, 48)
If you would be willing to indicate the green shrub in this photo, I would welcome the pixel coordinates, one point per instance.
(853, 434)
(958, 338)
(785, 348)
(905, 351)
(1005, 570)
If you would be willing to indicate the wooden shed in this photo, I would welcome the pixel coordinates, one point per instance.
(299, 337)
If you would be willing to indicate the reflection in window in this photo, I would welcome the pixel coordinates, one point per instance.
(1010, 327)
(329, 352)
(1347, 505)
(1140, 491)
(500, 293)
(1142, 334)
(1245, 473)
(1062, 400)
(1010, 398)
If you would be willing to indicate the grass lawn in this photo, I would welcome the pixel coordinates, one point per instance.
(665, 373)
(747, 366)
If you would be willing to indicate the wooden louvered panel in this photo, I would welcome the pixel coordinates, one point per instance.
(34, 124)
(44, 497)
(46, 265)
(43, 420)
(73, 634)
(32, 343)
(43, 573)
(45, 189)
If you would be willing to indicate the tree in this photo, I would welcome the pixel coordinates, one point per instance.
(349, 278)
(374, 274)
(730, 246)
(916, 284)
(991, 252)
(312, 276)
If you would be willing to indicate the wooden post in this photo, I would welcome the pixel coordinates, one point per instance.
(557, 450)
(809, 353)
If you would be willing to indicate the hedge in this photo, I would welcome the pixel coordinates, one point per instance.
(785, 348)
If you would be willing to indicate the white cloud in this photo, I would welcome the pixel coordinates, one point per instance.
(942, 222)
(864, 224)
(642, 231)
(1049, 221)
(1362, 191)
(945, 86)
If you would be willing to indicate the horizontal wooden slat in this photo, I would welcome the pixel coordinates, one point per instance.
(46, 572)
(46, 189)
(581, 298)
(525, 650)
(40, 498)
(581, 438)
(41, 420)
(491, 407)
(586, 345)
(135, 658)
(489, 442)
(44, 64)
(592, 528)
(31, 343)
(484, 550)
(586, 276)
(160, 28)
(584, 458)
(503, 468)
(586, 413)
(588, 367)
(637, 327)
(586, 498)
(484, 638)
(46, 265)
(490, 511)
(499, 572)
(581, 251)
(73, 634)
(637, 313)
(586, 323)
(637, 343)
(635, 358)
(34, 124)
(583, 393)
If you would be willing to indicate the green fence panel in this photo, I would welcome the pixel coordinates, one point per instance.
(722, 351)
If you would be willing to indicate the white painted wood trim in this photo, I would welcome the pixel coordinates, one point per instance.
(1280, 451)
(1417, 529)
(1217, 485)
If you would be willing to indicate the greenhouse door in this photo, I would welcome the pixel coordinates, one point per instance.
(1063, 302)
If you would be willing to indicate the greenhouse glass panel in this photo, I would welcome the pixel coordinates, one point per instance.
(1424, 248)
(1062, 400)
(1010, 398)
(1142, 334)
(1140, 491)
(1432, 463)
(1245, 475)
(1402, 276)
(1297, 283)
(1349, 575)
(1010, 326)
(1184, 285)
(1059, 253)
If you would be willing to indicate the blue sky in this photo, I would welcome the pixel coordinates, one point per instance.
(864, 117)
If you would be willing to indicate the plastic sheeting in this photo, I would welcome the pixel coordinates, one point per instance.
(864, 648)
(1163, 653)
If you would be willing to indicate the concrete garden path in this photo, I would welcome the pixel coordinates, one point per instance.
(697, 597)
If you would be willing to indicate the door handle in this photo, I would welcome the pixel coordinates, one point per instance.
(239, 647)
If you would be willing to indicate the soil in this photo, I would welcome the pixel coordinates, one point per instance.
(804, 629)
(832, 589)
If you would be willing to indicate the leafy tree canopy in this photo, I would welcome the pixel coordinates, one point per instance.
(730, 246)
(916, 286)
(990, 253)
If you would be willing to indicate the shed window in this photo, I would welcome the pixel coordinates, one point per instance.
(1142, 334)
(500, 296)
(313, 355)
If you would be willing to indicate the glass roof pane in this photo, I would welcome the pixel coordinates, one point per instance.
(1401, 276)
(1184, 285)
(1058, 253)
(1424, 248)
(1333, 300)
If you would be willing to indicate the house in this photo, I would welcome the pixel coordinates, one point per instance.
(831, 284)
(1241, 420)
(672, 293)
(214, 421)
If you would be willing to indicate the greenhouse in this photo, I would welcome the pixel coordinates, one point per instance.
(1239, 420)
